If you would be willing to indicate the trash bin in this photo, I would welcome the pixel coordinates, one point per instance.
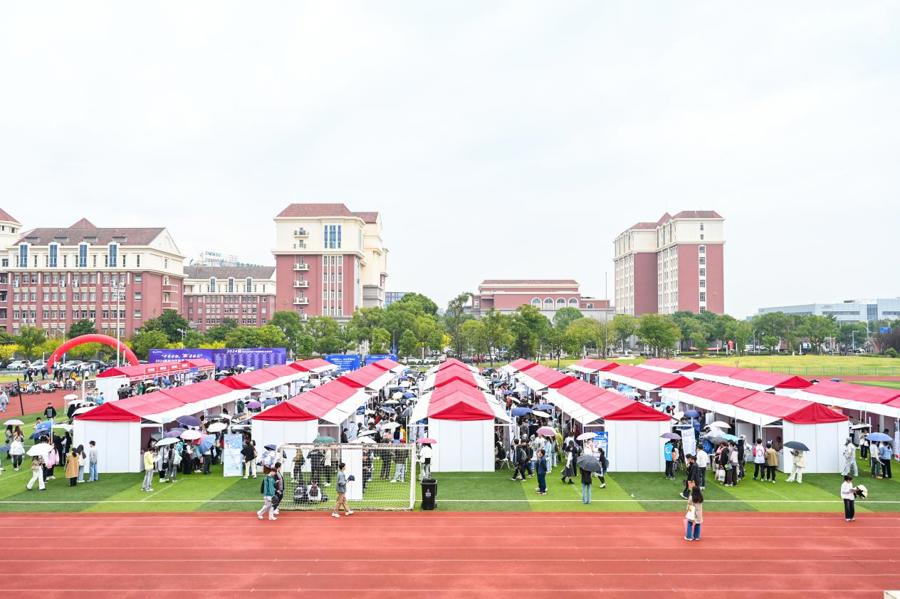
(429, 493)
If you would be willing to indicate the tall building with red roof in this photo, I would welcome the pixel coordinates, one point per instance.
(547, 295)
(329, 260)
(673, 264)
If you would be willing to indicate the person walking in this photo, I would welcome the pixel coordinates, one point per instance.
(887, 454)
(267, 488)
(586, 484)
(72, 467)
(734, 457)
(702, 466)
(541, 469)
(37, 474)
(279, 488)
(92, 462)
(771, 462)
(341, 489)
(848, 456)
(848, 494)
(149, 463)
(694, 514)
(248, 451)
(604, 466)
(798, 460)
(670, 464)
(4, 400)
(759, 461)
(425, 456)
(82, 462)
(17, 450)
(569, 469)
(692, 476)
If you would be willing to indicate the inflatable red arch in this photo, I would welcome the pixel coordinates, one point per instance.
(93, 338)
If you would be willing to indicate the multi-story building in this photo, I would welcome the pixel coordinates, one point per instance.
(548, 295)
(393, 296)
(329, 261)
(857, 310)
(214, 258)
(245, 294)
(117, 277)
(671, 265)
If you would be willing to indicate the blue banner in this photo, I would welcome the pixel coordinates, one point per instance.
(372, 358)
(344, 361)
(601, 441)
(249, 357)
(232, 460)
(885, 330)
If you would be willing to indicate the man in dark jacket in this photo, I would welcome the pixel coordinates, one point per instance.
(693, 474)
(521, 457)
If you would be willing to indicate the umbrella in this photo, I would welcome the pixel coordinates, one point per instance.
(206, 442)
(392, 402)
(589, 463)
(14, 422)
(540, 414)
(40, 449)
(217, 427)
(388, 410)
(546, 431)
(857, 427)
(191, 435)
(166, 441)
(82, 410)
(515, 399)
(366, 440)
(585, 436)
(254, 405)
(270, 447)
(70, 396)
(516, 412)
(409, 395)
(796, 445)
(390, 426)
(188, 421)
(397, 395)
(720, 424)
(544, 407)
(670, 436)
(426, 441)
(269, 402)
(45, 426)
(370, 411)
(62, 425)
(878, 437)
(323, 440)
(366, 433)
(692, 413)
(174, 433)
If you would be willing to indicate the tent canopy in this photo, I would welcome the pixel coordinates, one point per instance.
(664, 365)
(790, 409)
(541, 377)
(761, 380)
(157, 369)
(519, 365)
(388, 364)
(316, 365)
(646, 379)
(370, 377)
(591, 366)
(857, 393)
(255, 379)
(289, 410)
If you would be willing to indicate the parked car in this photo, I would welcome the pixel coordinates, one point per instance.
(18, 365)
(38, 364)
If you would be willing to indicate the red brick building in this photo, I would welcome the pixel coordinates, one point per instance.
(212, 294)
(548, 295)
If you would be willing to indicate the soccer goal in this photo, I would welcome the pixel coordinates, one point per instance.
(382, 476)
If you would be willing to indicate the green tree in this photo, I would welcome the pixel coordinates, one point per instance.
(584, 333)
(408, 343)
(817, 329)
(146, 339)
(242, 337)
(290, 324)
(399, 318)
(169, 322)
(497, 333)
(529, 329)
(29, 340)
(566, 316)
(271, 336)
(853, 334)
(82, 327)
(221, 331)
(659, 332)
(327, 334)
(379, 341)
(418, 303)
(454, 318)
(740, 333)
(624, 326)
(473, 338)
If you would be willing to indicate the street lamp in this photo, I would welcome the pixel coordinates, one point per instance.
(118, 293)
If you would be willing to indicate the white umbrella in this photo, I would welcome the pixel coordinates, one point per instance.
(39, 449)
(540, 414)
(397, 395)
(390, 426)
(166, 441)
(191, 435)
(404, 384)
(721, 425)
(857, 427)
(63, 425)
(14, 422)
(391, 402)
(83, 410)
(585, 436)
(370, 411)
(366, 440)
(70, 396)
(217, 427)
(365, 434)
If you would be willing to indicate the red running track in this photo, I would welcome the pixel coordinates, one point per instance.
(447, 555)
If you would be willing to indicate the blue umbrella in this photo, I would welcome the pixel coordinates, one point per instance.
(544, 407)
(408, 395)
(188, 421)
(388, 410)
(516, 412)
(174, 433)
(43, 426)
(206, 442)
(879, 437)
(269, 402)
(692, 413)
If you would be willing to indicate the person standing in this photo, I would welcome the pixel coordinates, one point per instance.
(848, 494)
(586, 483)
(279, 488)
(694, 515)
(604, 466)
(725, 463)
(149, 464)
(50, 412)
(667, 455)
(82, 462)
(702, 466)
(541, 469)
(771, 462)
(248, 451)
(425, 456)
(37, 474)
(848, 454)
(92, 462)
(341, 502)
(4, 400)
(799, 463)
(759, 461)
(268, 492)
(887, 454)
(72, 467)
(692, 476)
(17, 450)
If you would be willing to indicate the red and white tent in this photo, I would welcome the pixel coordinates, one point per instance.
(670, 366)
(388, 364)
(592, 366)
(863, 398)
(110, 380)
(757, 380)
(644, 379)
(267, 379)
(371, 377)
(540, 378)
(519, 365)
(314, 365)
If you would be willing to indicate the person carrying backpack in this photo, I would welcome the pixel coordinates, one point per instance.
(267, 488)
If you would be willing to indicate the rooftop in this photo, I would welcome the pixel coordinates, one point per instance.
(230, 272)
(529, 282)
(7, 217)
(85, 230)
(324, 211)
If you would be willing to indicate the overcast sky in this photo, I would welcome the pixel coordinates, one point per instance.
(510, 139)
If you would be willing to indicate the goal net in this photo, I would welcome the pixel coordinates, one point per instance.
(383, 475)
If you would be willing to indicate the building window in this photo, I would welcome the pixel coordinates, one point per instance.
(332, 237)
(536, 302)
(702, 249)
(702, 296)
(113, 255)
(82, 255)
(561, 302)
(53, 256)
(230, 285)
(548, 303)
(23, 255)
(212, 285)
(573, 301)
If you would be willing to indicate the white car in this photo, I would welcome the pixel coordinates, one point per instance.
(38, 364)
(18, 365)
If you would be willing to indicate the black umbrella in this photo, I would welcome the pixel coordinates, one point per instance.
(589, 463)
(796, 445)
(670, 436)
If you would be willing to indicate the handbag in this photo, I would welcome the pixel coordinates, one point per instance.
(691, 514)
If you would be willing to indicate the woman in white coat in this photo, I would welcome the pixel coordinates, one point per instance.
(799, 463)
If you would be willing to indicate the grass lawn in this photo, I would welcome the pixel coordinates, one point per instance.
(456, 492)
(888, 384)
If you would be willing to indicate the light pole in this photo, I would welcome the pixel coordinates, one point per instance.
(115, 288)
